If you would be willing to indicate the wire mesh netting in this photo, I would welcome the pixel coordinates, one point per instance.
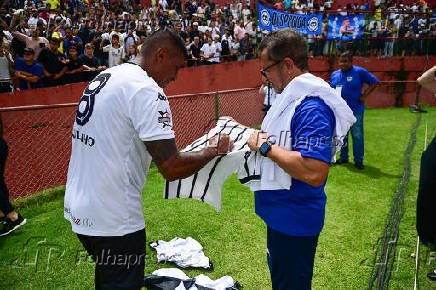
(39, 143)
(39, 137)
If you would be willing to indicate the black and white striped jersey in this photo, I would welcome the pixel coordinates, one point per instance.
(206, 185)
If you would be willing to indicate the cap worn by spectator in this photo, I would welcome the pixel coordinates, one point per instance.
(195, 24)
(29, 50)
(55, 40)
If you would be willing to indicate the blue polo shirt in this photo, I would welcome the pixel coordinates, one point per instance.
(352, 82)
(35, 69)
(300, 210)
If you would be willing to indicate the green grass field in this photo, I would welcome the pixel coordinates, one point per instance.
(45, 254)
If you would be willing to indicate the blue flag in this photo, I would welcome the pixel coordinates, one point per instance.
(349, 27)
(272, 19)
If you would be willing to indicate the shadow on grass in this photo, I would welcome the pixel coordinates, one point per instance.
(369, 170)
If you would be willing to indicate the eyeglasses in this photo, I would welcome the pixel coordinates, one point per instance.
(263, 71)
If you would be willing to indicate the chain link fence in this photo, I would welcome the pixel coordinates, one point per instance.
(39, 137)
(39, 140)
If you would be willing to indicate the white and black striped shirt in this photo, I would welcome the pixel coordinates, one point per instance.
(206, 184)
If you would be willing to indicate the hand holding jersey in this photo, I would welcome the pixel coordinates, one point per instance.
(221, 144)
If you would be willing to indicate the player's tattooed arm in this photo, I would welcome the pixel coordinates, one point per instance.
(173, 164)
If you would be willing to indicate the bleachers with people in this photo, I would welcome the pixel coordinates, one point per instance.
(103, 34)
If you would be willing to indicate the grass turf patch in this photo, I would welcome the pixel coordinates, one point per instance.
(46, 254)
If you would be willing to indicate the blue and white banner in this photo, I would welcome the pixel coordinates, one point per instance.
(349, 27)
(272, 19)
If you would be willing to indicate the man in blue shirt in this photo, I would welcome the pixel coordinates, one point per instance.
(294, 215)
(349, 81)
(28, 71)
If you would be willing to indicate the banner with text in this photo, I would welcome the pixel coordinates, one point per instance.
(272, 19)
(349, 27)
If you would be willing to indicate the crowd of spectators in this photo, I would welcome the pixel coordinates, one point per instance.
(53, 42)
(391, 27)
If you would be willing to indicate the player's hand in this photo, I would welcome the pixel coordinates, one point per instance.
(221, 143)
(256, 139)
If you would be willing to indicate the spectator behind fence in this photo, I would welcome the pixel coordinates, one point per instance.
(217, 43)
(116, 52)
(425, 212)
(208, 51)
(234, 48)
(194, 51)
(72, 39)
(245, 48)
(75, 66)
(54, 64)
(36, 41)
(131, 53)
(6, 66)
(28, 71)
(8, 216)
(90, 63)
(349, 81)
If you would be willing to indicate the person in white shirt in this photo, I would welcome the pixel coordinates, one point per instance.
(208, 51)
(123, 123)
(246, 13)
(217, 43)
(164, 5)
(267, 91)
(116, 52)
(234, 48)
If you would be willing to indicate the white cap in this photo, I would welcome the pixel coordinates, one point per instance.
(195, 23)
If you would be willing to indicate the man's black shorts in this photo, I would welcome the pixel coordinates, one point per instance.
(119, 261)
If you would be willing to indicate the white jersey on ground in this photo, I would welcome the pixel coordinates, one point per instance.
(120, 108)
(184, 253)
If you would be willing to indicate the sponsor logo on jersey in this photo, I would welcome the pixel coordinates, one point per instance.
(164, 119)
(349, 79)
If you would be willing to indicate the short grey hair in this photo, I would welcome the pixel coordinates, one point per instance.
(284, 43)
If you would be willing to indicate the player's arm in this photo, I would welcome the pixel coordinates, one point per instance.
(173, 164)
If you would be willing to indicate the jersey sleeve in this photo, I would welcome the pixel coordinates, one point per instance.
(150, 113)
(312, 129)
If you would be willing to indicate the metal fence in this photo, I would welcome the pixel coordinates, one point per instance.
(39, 137)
